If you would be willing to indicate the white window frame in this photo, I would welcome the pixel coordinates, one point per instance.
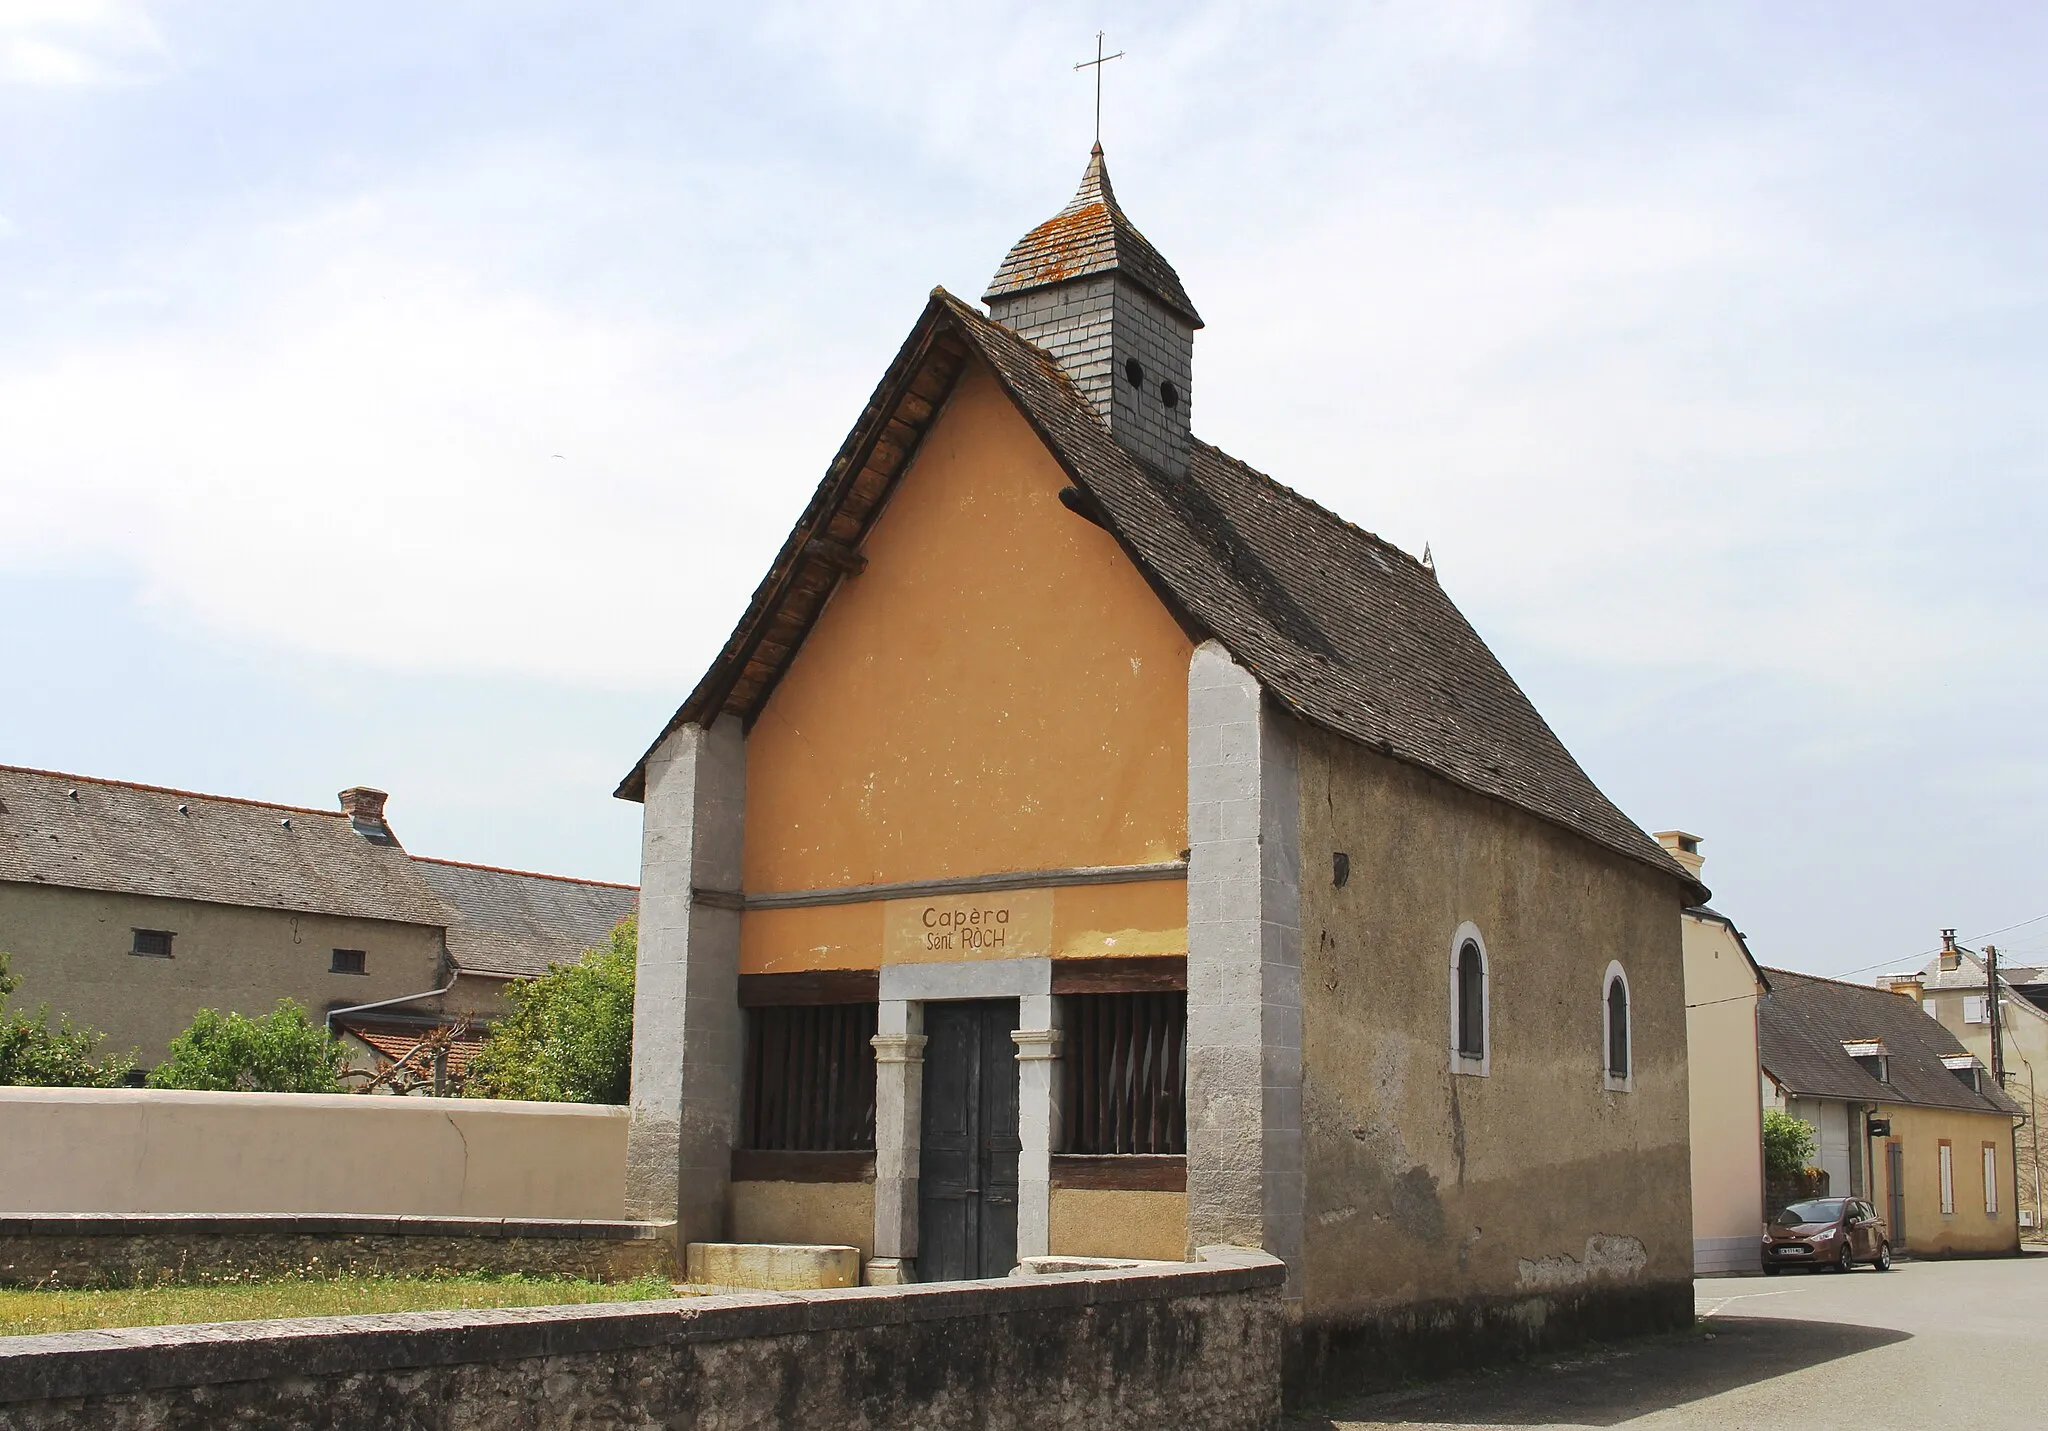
(1991, 1180)
(1482, 1066)
(1946, 1155)
(1624, 1082)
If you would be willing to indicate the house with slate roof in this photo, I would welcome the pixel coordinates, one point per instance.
(1085, 845)
(1953, 988)
(1905, 1117)
(130, 907)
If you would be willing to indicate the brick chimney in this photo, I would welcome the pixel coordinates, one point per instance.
(1684, 848)
(1911, 985)
(364, 807)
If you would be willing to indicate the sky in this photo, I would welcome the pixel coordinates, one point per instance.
(412, 394)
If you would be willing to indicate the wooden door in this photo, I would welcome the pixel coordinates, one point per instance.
(967, 1167)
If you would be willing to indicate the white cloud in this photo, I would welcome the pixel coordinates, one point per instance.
(60, 43)
(357, 437)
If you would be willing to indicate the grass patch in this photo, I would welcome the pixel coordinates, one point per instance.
(30, 1312)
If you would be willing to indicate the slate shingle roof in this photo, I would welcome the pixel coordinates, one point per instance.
(514, 922)
(179, 844)
(1345, 630)
(1803, 1021)
(1090, 236)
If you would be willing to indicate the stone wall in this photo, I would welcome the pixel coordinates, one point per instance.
(1469, 1209)
(1196, 1348)
(92, 1250)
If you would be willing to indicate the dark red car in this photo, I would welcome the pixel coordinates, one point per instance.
(1831, 1232)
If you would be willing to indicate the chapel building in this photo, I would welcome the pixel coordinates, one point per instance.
(1085, 845)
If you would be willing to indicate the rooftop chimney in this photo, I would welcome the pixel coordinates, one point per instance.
(1684, 848)
(1951, 957)
(365, 809)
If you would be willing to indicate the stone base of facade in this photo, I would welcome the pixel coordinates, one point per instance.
(151, 1249)
(1340, 1355)
(1727, 1256)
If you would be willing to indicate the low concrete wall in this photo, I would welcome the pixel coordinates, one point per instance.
(141, 1150)
(1195, 1347)
(147, 1249)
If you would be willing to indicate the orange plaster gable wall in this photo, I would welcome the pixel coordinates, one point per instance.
(999, 690)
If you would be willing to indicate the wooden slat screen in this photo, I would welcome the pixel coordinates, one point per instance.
(1124, 1070)
(809, 1082)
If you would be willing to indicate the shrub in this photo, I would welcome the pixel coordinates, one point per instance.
(1788, 1143)
(282, 1052)
(569, 1037)
(33, 1054)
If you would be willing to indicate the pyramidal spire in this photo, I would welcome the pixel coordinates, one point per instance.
(1094, 293)
(1090, 235)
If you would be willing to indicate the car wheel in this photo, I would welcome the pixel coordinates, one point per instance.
(1770, 1269)
(1847, 1263)
(1884, 1257)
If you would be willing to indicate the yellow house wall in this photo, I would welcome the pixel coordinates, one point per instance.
(813, 1214)
(998, 691)
(1726, 1119)
(1096, 1222)
(1969, 1231)
(2026, 1063)
(1425, 1185)
(70, 948)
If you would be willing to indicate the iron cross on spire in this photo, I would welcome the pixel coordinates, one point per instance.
(1096, 64)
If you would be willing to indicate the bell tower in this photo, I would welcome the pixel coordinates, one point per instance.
(1091, 291)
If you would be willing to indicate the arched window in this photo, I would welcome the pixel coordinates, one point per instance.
(1470, 1003)
(1614, 1016)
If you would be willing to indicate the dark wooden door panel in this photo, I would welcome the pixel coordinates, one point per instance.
(967, 1176)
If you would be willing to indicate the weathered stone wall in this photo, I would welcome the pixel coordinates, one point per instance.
(70, 948)
(94, 1251)
(1494, 1205)
(1195, 1348)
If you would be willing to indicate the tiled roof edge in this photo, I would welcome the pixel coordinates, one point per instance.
(173, 790)
(528, 874)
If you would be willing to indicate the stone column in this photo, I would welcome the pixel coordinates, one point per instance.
(688, 1034)
(1245, 1183)
(899, 1119)
(1038, 1120)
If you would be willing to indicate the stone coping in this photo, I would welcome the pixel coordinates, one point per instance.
(319, 1224)
(127, 1360)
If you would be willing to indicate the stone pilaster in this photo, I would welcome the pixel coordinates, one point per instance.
(1245, 1179)
(1038, 1120)
(899, 1121)
(688, 1034)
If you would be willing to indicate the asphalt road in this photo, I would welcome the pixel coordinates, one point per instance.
(1931, 1346)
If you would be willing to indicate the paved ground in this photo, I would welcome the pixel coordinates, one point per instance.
(1932, 1346)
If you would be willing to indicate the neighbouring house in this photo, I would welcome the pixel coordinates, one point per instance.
(1086, 845)
(1953, 989)
(1722, 987)
(1905, 1117)
(131, 907)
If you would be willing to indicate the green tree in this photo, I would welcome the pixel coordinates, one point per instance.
(33, 1054)
(1788, 1144)
(569, 1037)
(282, 1052)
